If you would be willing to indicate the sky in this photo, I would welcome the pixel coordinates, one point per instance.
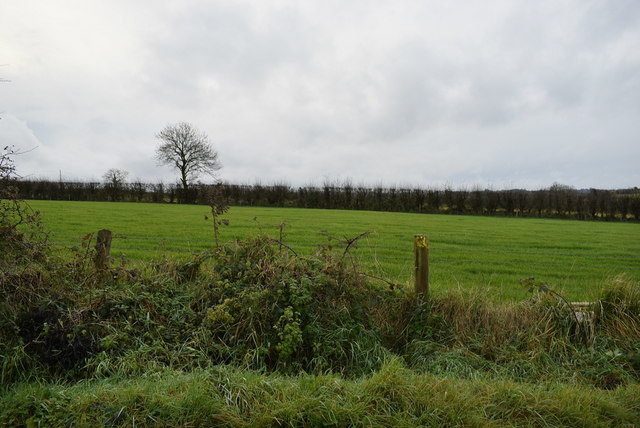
(497, 94)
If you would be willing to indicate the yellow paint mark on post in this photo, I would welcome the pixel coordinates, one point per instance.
(421, 241)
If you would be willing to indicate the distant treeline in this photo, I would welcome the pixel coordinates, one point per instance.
(557, 201)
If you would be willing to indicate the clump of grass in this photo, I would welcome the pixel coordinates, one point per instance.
(619, 308)
(467, 334)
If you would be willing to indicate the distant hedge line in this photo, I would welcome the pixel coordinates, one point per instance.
(557, 201)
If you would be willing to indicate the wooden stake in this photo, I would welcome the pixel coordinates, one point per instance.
(103, 249)
(421, 250)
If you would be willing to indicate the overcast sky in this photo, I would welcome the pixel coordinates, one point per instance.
(461, 93)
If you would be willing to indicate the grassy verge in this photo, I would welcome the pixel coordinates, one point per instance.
(393, 397)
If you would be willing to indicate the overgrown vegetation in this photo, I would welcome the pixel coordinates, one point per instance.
(253, 334)
(255, 306)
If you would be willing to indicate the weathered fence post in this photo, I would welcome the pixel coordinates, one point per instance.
(103, 249)
(421, 250)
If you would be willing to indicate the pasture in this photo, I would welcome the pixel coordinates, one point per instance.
(487, 253)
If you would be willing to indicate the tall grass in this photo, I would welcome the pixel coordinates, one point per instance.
(393, 397)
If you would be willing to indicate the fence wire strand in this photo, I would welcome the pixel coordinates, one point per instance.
(164, 245)
(408, 248)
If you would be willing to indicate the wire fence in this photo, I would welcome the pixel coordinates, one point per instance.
(365, 251)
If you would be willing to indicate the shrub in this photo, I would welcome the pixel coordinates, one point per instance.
(280, 311)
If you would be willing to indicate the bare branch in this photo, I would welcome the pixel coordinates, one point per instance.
(352, 242)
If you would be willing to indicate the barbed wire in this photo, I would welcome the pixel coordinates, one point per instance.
(197, 243)
(162, 249)
(500, 262)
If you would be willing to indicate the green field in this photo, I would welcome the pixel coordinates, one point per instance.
(488, 253)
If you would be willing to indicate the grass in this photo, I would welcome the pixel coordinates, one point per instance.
(392, 397)
(487, 253)
(260, 337)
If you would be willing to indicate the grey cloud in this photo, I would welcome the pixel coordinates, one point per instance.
(223, 45)
(605, 21)
(521, 93)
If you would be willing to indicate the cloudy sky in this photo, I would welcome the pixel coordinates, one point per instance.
(462, 93)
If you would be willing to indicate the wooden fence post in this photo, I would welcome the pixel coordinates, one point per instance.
(421, 250)
(103, 249)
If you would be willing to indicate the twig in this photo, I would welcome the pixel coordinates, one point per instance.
(282, 244)
(392, 285)
(351, 242)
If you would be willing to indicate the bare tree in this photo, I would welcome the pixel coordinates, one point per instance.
(188, 150)
(114, 182)
(115, 177)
